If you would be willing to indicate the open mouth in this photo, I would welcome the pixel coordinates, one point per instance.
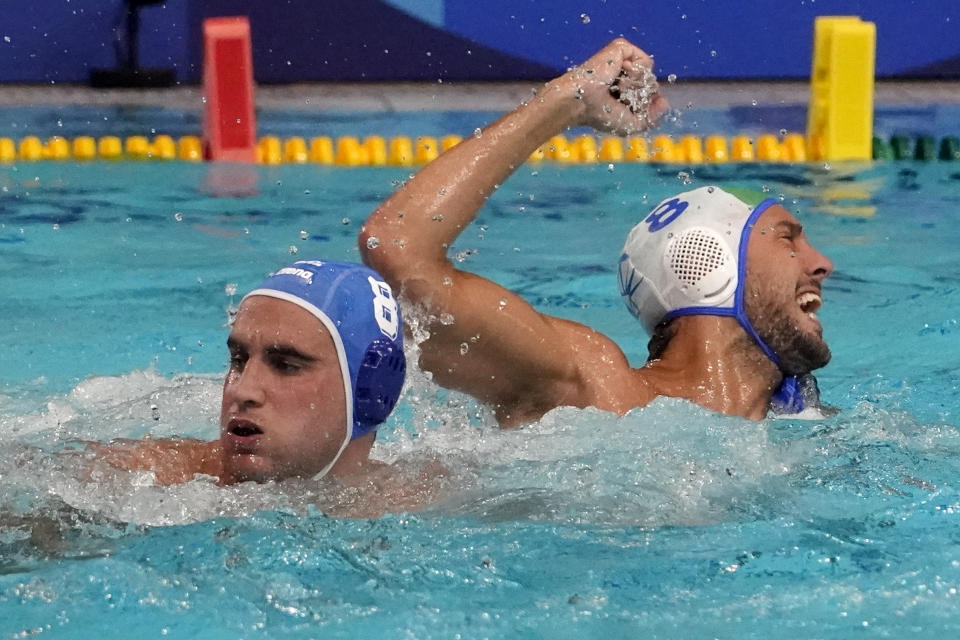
(243, 428)
(809, 303)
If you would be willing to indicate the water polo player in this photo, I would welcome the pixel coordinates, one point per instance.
(316, 364)
(729, 288)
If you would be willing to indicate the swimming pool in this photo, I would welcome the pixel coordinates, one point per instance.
(668, 522)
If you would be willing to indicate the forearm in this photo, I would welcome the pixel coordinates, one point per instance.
(421, 219)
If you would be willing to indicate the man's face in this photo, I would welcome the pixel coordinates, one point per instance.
(284, 411)
(782, 293)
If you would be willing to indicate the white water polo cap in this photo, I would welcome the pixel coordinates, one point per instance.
(688, 257)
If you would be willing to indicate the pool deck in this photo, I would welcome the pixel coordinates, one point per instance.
(407, 97)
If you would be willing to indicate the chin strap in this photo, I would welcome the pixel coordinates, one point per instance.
(795, 394)
(787, 399)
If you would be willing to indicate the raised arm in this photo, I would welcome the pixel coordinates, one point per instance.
(484, 339)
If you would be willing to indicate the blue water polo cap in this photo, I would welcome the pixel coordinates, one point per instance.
(358, 309)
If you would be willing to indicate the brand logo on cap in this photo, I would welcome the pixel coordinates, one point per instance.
(303, 274)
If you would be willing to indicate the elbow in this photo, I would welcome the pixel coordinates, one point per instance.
(379, 252)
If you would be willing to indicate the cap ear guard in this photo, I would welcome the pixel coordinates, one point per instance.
(379, 382)
(702, 266)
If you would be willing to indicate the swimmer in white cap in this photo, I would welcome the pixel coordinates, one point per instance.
(728, 287)
(316, 364)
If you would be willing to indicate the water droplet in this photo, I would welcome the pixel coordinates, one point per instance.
(437, 218)
(783, 132)
(753, 102)
(230, 289)
(584, 18)
(56, 227)
(292, 249)
(503, 303)
(345, 221)
(303, 234)
(464, 347)
(373, 242)
(155, 412)
(713, 54)
(672, 78)
(178, 216)
(684, 177)
(448, 281)
(710, 189)
(610, 167)
(477, 132)
(683, 16)
(446, 319)
(306, 192)
(6, 38)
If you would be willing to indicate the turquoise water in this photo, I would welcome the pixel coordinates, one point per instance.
(669, 522)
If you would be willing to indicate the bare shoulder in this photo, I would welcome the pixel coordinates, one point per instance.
(173, 461)
(604, 377)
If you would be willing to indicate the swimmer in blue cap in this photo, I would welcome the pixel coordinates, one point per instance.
(316, 364)
(729, 286)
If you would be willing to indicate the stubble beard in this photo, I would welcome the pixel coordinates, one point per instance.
(799, 351)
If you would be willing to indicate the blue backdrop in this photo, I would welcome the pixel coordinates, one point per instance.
(348, 40)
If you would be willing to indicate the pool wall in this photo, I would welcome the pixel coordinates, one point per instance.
(379, 40)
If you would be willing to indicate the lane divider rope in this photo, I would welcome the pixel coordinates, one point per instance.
(404, 151)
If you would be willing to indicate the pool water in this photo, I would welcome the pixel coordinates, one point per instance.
(668, 522)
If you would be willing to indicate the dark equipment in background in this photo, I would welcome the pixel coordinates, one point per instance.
(129, 73)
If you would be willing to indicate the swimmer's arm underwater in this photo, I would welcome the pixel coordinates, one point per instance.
(484, 339)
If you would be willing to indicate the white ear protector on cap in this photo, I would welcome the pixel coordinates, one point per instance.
(688, 257)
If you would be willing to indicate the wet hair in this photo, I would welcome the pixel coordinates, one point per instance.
(660, 339)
